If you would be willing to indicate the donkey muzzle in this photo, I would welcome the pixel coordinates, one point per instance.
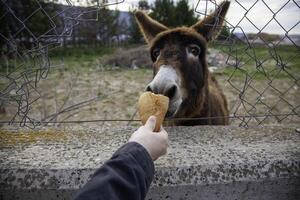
(166, 82)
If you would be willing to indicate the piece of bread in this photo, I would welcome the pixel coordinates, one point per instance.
(153, 104)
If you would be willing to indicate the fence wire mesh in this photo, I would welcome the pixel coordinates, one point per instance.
(263, 85)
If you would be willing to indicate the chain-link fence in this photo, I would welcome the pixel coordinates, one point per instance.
(258, 72)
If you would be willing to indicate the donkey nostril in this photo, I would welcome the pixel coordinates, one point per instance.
(171, 92)
(148, 88)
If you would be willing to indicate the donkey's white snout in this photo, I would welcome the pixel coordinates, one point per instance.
(165, 82)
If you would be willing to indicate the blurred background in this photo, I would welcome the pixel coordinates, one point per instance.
(86, 61)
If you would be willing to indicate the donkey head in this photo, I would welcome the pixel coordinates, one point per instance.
(178, 54)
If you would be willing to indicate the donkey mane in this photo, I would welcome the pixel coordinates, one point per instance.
(197, 94)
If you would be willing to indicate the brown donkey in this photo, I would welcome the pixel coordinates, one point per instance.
(180, 68)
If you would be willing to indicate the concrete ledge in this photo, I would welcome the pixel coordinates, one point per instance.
(202, 162)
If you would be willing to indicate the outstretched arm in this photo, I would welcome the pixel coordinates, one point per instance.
(129, 173)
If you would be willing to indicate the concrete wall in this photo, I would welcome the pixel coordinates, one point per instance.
(202, 162)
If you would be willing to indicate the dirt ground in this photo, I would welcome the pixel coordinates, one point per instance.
(113, 94)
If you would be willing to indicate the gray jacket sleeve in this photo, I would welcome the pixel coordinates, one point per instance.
(127, 175)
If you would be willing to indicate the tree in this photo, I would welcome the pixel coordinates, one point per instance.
(173, 15)
(143, 5)
(167, 13)
(29, 15)
(224, 34)
(107, 25)
(134, 31)
(184, 14)
(164, 12)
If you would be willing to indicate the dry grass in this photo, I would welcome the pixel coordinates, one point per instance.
(119, 90)
(113, 94)
(10, 139)
(129, 58)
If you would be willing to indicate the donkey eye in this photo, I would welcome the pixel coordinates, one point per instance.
(156, 53)
(194, 49)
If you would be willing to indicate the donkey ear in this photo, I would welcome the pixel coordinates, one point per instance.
(149, 27)
(211, 25)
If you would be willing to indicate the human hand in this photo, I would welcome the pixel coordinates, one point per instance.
(155, 143)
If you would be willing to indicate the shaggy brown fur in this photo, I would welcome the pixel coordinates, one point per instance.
(204, 96)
